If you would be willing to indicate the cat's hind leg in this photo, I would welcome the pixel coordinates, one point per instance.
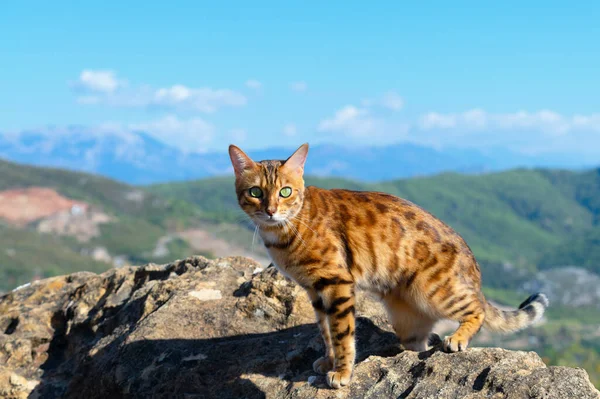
(412, 327)
(469, 312)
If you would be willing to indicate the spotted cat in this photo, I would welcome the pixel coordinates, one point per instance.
(331, 242)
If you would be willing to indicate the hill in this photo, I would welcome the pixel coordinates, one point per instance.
(26, 254)
(112, 196)
(521, 216)
(522, 224)
(134, 221)
(516, 221)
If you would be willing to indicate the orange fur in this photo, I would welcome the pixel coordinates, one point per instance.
(331, 241)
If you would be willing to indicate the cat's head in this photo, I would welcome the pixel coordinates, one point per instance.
(270, 192)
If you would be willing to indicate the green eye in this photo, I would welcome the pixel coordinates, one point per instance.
(255, 192)
(285, 192)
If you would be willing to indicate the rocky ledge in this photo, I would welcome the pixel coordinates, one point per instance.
(200, 328)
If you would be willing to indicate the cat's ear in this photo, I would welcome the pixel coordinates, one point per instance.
(239, 160)
(295, 163)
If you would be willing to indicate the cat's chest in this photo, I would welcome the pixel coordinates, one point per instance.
(279, 258)
(283, 261)
(282, 258)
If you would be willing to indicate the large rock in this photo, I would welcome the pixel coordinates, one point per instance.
(201, 328)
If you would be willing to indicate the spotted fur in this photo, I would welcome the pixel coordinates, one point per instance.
(333, 241)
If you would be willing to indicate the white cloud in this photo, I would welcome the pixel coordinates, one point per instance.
(253, 84)
(529, 132)
(108, 90)
(202, 99)
(188, 134)
(299, 86)
(191, 135)
(546, 121)
(98, 81)
(392, 100)
(290, 130)
(591, 122)
(434, 120)
(351, 120)
(477, 120)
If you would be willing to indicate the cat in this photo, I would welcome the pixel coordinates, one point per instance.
(333, 241)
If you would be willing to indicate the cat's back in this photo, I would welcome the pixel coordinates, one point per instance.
(384, 236)
(366, 207)
(381, 216)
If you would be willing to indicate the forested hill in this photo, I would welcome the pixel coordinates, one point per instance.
(124, 223)
(523, 225)
(529, 217)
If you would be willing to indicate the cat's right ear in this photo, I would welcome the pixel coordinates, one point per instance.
(295, 163)
(239, 160)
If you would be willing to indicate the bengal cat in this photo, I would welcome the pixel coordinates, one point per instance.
(331, 241)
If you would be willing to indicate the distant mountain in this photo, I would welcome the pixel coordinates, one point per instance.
(138, 158)
(135, 158)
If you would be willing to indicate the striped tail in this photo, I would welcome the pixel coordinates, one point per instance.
(528, 313)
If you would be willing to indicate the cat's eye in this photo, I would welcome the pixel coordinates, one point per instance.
(285, 192)
(255, 192)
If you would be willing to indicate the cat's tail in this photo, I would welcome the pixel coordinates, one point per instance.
(528, 313)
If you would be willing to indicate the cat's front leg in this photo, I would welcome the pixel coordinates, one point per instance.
(323, 364)
(338, 303)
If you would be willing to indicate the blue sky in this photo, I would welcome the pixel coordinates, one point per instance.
(199, 75)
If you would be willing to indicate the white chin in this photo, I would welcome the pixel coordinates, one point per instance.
(271, 222)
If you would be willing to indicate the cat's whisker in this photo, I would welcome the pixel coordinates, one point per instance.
(296, 232)
(304, 223)
(254, 237)
(290, 227)
(241, 217)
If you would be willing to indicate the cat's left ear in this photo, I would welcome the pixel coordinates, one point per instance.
(239, 160)
(295, 163)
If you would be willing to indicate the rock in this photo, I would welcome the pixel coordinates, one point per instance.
(200, 328)
(206, 294)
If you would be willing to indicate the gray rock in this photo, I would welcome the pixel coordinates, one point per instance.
(139, 332)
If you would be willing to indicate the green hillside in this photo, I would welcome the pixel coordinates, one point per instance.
(140, 219)
(581, 250)
(533, 219)
(520, 216)
(530, 218)
(26, 254)
(114, 197)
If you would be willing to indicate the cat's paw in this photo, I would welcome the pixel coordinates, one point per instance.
(323, 364)
(455, 344)
(338, 379)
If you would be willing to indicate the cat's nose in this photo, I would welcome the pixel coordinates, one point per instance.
(270, 211)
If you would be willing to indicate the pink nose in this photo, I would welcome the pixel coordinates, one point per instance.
(270, 211)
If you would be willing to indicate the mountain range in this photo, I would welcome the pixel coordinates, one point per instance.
(138, 158)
